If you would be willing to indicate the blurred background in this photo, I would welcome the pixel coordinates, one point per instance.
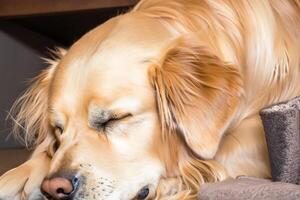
(28, 30)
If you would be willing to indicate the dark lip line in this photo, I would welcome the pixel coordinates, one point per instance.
(82, 182)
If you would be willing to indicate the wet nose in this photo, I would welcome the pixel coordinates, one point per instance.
(60, 186)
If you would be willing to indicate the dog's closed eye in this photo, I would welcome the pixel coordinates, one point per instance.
(115, 118)
(105, 119)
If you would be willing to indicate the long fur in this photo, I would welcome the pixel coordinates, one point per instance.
(30, 110)
(244, 53)
(232, 58)
(191, 84)
(259, 37)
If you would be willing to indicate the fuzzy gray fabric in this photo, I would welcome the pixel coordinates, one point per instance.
(249, 188)
(282, 128)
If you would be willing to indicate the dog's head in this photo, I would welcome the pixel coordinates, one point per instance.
(131, 110)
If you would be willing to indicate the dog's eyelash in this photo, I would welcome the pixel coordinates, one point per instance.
(119, 117)
(114, 118)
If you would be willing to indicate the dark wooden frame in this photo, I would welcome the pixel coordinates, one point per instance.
(14, 8)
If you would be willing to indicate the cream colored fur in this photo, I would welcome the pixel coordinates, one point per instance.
(194, 75)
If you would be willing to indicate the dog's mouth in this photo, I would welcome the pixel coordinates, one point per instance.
(145, 193)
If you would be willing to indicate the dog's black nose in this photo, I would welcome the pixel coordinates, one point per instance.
(60, 186)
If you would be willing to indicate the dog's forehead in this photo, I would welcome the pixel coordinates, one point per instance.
(114, 67)
(106, 87)
(107, 80)
(130, 36)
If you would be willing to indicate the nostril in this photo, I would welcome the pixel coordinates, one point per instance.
(60, 191)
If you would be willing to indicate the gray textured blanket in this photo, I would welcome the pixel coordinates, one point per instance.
(247, 188)
(282, 128)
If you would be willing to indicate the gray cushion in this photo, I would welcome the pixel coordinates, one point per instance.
(249, 188)
(282, 128)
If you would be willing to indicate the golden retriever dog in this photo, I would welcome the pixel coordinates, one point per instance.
(155, 102)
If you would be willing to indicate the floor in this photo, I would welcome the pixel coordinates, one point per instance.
(10, 158)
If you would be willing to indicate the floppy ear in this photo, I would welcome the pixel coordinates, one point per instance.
(29, 112)
(197, 95)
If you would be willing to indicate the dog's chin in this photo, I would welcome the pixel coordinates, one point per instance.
(105, 190)
(36, 195)
(95, 193)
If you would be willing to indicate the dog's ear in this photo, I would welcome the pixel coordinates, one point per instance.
(197, 94)
(29, 112)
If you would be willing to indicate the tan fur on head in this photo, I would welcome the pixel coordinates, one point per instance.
(166, 96)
